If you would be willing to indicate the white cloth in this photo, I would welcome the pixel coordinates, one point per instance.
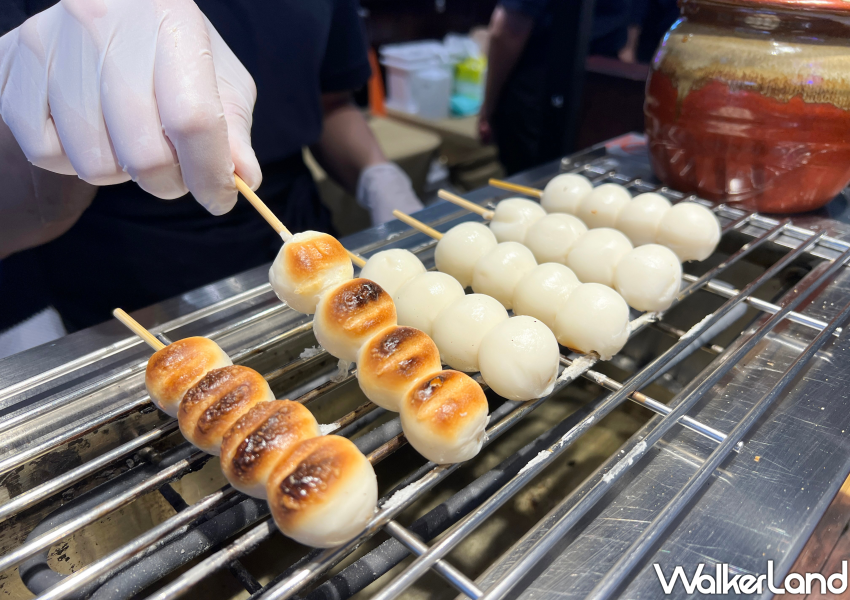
(383, 188)
(40, 328)
(147, 90)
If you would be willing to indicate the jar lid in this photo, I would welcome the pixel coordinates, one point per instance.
(799, 5)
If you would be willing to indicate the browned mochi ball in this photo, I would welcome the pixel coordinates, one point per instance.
(260, 439)
(177, 367)
(444, 417)
(309, 263)
(217, 401)
(349, 314)
(324, 493)
(390, 363)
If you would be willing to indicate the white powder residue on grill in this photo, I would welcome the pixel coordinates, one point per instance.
(326, 429)
(578, 366)
(401, 497)
(342, 369)
(541, 456)
(625, 463)
(693, 331)
(310, 352)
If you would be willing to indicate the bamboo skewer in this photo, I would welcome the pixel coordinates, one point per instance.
(276, 223)
(134, 326)
(464, 203)
(418, 225)
(515, 187)
(261, 207)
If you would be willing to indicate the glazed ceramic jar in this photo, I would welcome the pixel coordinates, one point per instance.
(748, 102)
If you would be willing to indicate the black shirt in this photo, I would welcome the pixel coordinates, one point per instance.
(130, 249)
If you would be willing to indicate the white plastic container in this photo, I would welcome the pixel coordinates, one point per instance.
(419, 78)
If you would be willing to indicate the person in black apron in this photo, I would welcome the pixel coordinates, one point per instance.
(131, 249)
(512, 113)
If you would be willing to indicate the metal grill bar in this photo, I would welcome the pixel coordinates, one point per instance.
(85, 427)
(387, 448)
(689, 397)
(171, 526)
(457, 533)
(727, 291)
(508, 414)
(129, 342)
(650, 403)
(460, 581)
(46, 540)
(48, 488)
(630, 559)
(46, 407)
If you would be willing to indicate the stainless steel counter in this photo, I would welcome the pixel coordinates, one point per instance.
(760, 505)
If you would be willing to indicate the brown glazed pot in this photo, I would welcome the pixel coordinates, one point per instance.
(748, 103)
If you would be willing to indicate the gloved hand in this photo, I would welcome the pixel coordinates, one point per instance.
(113, 90)
(384, 187)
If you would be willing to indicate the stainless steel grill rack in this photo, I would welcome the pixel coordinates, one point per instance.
(698, 491)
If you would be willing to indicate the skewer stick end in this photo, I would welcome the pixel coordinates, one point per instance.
(464, 203)
(357, 259)
(134, 326)
(261, 207)
(417, 224)
(515, 187)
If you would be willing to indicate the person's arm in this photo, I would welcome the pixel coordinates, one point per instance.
(36, 206)
(509, 33)
(350, 154)
(347, 146)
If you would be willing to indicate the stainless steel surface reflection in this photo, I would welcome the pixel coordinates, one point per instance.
(70, 409)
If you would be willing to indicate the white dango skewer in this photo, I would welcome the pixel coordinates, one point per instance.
(542, 290)
(460, 248)
(476, 326)
(356, 319)
(594, 256)
(498, 272)
(649, 277)
(511, 219)
(551, 238)
(594, 318)
(691, 231)
(605, 341)
(602, 206)
(321, 490)
(640, 218)
(519, 359)
(461, 326)
(391, 269)
(563, 193)
(421, 299)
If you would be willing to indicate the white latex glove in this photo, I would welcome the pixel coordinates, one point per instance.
(383, 188)
(147, 90)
